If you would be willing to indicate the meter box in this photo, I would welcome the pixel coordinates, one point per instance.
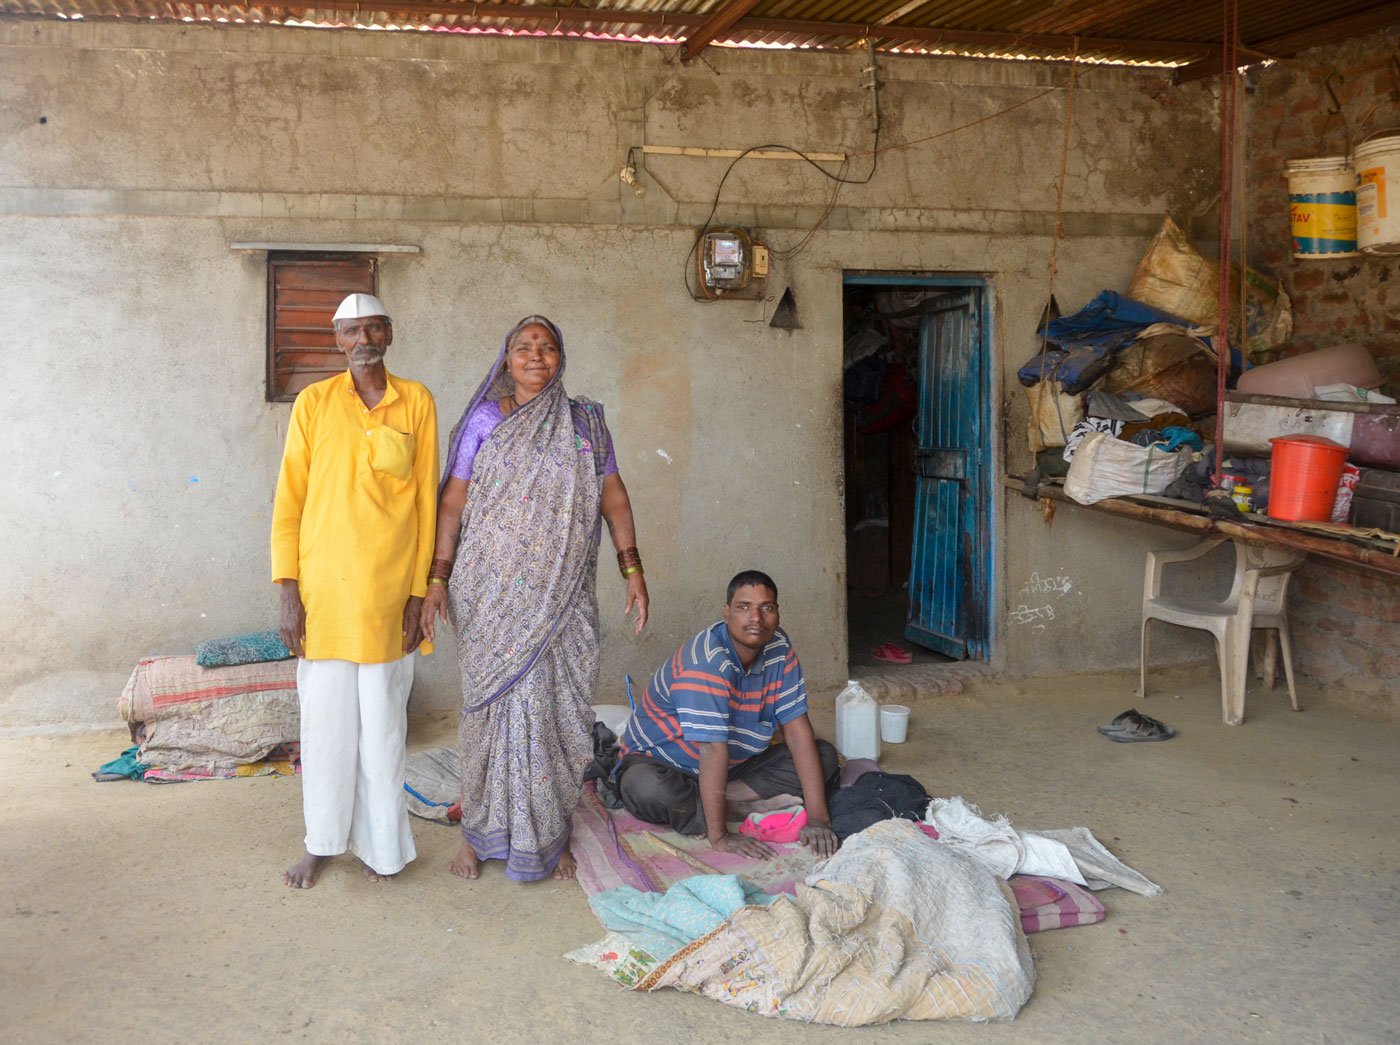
(731, 264)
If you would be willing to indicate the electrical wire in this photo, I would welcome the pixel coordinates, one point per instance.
(1229, 81)
(1047, 380)
(839, 179)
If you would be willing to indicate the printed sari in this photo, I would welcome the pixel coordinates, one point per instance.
(523, 603)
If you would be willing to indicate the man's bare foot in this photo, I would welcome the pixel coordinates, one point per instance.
(302, 874)
(566, 867)
(465, 864)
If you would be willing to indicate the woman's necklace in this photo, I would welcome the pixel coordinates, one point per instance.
(513, 404)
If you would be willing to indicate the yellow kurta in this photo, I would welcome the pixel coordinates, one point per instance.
(355, 514)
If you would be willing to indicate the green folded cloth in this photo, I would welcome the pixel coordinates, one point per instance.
(123, 767)
(252, 648)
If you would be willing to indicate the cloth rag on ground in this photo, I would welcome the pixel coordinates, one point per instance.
(125, 766)
(433, 782)
(894, 926)
(210, 721)
(253, 648)
(1072, 854)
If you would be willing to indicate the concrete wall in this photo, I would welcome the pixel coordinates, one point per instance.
(1346, 622)
(144, 455)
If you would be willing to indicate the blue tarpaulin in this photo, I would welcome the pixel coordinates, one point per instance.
(1083, 344)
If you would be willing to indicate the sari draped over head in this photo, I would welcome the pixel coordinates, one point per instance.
(523, 602)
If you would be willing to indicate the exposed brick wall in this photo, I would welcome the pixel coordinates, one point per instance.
(1348, 300)
(1346, 632)
(1345, 622)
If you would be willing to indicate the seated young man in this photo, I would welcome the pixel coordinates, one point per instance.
(722, 731)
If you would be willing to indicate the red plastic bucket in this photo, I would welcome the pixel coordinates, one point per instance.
(1303, 477)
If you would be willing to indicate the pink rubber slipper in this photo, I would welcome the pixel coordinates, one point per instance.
(894, 654)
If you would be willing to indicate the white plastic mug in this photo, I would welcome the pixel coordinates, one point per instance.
(894, 723)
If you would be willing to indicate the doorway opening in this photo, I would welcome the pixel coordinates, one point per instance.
(918, 466)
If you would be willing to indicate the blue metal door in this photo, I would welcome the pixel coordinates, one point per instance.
(950, 572)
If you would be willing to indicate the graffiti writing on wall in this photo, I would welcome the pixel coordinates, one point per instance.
(1038, 585)
(1024, 614)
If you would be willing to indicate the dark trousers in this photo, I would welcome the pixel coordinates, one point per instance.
(660, 793)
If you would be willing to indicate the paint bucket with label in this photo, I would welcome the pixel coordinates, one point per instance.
(1322, 207)
(1378, 195)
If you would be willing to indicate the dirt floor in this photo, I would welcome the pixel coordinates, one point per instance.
(130, 910)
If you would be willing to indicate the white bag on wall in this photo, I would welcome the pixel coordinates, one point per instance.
(1053, 415)
(1107, 467)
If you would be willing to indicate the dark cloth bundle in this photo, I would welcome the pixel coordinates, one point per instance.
(603, 766)
(874, 797)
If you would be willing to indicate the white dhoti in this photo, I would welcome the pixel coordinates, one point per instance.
(353, 727)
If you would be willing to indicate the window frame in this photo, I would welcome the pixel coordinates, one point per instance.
(278, 260)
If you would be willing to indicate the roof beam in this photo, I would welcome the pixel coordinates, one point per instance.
(1286, 46)
(475, 13)
(1331, 31)
(721, 20)
(977, 38)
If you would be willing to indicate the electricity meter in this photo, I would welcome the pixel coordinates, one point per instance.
(728, 263)
(726, 260)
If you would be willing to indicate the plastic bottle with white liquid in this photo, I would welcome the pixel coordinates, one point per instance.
(857, 722)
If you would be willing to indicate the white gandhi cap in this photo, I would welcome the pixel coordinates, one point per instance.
(360, 306)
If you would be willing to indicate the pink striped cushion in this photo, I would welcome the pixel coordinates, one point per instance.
(1048, 903)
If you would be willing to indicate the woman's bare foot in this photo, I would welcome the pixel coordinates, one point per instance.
(302, 874)
(465, 864)
(566, 867)
(375, 876)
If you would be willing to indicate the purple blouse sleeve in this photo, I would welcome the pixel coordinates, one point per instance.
(480, 424)
(610, 459)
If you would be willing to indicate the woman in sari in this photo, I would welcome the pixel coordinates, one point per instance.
(530, 476)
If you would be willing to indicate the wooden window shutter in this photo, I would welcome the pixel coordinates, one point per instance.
(303, 291)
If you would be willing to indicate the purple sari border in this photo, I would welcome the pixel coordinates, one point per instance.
(520, 866)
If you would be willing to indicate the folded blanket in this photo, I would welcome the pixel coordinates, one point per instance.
(253, 648)
(211, 719)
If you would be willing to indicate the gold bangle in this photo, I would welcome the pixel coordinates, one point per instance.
(632, 569)
(437, 580)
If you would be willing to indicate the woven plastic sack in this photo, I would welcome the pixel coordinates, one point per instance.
(1053, 415)
(1107, 467)
(1172, 276)
(1172, 366)
(1175, 278)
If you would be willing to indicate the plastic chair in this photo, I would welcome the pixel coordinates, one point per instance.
(1256, 600)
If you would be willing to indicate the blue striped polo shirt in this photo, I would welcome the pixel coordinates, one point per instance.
(703, 695)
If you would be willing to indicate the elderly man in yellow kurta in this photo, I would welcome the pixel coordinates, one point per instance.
(352, 538)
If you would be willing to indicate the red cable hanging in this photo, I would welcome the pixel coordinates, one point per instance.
(1229, 65)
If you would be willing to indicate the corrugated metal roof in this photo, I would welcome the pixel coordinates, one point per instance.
(1158, 32)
